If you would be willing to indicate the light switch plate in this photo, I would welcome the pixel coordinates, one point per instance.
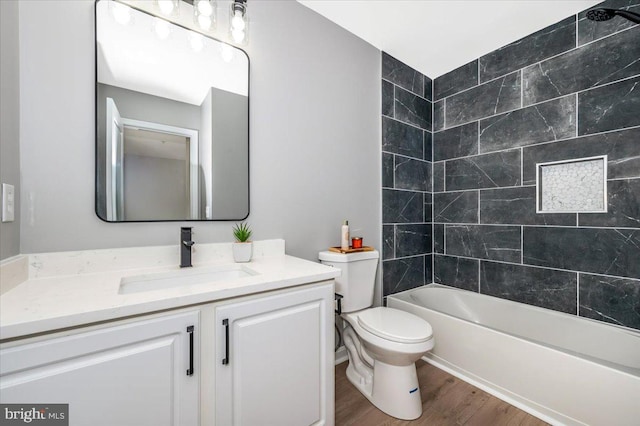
(8, 202)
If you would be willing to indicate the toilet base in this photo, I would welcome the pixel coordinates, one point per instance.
(394, 389)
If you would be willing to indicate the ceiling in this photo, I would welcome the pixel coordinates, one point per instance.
(435, 36)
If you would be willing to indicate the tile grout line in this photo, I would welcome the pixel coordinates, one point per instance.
(543, 101)
(541, 143)
(528, 265)
(578, 293)
(513, 225)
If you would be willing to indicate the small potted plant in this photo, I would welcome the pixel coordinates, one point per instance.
(242, 248)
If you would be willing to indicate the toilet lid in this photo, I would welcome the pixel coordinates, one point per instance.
(395, 325)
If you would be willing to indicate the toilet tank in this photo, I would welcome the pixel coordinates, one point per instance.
(357, 281)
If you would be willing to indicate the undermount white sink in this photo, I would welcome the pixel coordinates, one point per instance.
(183, 278)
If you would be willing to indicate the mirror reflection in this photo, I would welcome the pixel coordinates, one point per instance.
(171, 120)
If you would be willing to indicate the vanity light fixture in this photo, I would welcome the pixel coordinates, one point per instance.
(169, 7)
(204, 14)
(238, 21)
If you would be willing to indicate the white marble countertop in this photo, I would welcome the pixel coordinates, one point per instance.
(75, 288)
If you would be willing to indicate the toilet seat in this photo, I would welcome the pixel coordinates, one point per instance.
(395, 325)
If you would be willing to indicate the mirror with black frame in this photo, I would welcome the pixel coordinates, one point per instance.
(172, 121)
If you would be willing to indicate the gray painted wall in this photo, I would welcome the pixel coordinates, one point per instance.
(9, 121)
(314, 129)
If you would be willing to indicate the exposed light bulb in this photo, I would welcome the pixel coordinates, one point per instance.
(162, 28)
(205, 8)
(197, 42)
(167, 7)
(226, 52)
(121, 13)
(204, 22)
(237, 35)
(237, 22)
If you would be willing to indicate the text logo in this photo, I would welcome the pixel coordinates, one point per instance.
(34, 414)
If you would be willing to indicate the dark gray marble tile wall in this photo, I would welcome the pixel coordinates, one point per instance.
(571, 90)
(406, 177)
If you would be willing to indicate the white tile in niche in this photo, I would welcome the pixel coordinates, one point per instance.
(572, 186)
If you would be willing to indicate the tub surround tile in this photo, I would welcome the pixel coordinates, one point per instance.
(609, 107)
(438, 238)
(589, 30)
(428, 204)
(428, 88)
(438, 176)
(412, 240)
(401, 74)
(387, 98)
(484, 242)
(412, 174)
(455, 207)
(455, 81)
(600, 251)
(460, 141)
(623, 206)
(402, 274)
(428, 269)
(456, 272)
(601, 62)
(613, 300)
(428, 146)
(517, 206)
(413, 109)
(621, 147)
(387, 170)
(438, 115)
(546, 288)
(548, 121)
(495, 97)
(401, 138)
(484, 171)
(545, 43)
(402, 206)
(388, 242)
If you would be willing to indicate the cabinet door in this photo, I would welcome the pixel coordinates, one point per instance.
(277, 367)
(130, 374)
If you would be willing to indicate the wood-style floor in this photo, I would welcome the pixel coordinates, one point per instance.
(446, 400)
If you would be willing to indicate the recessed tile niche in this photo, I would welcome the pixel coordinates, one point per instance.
(577, 186)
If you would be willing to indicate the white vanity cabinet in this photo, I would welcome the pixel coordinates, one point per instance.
(274, 359)
(138, 372)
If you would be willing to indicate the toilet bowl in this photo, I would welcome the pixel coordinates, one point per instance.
(382, 343)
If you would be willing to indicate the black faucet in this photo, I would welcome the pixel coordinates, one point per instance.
(185, 247)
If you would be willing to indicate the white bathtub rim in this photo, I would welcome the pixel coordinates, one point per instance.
(598, 323)
(619, 368)
(499, 392)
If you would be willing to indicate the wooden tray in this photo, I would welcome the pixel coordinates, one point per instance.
(350, 250)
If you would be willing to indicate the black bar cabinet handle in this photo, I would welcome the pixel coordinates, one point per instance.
(190, 331)
(225, 324)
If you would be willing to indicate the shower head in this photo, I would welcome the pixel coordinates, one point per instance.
(606, 14)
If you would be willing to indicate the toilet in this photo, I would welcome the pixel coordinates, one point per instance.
(382, 343)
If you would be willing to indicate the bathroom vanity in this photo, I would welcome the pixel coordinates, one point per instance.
(234, 345)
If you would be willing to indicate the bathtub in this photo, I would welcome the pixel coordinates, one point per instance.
(560, 368)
